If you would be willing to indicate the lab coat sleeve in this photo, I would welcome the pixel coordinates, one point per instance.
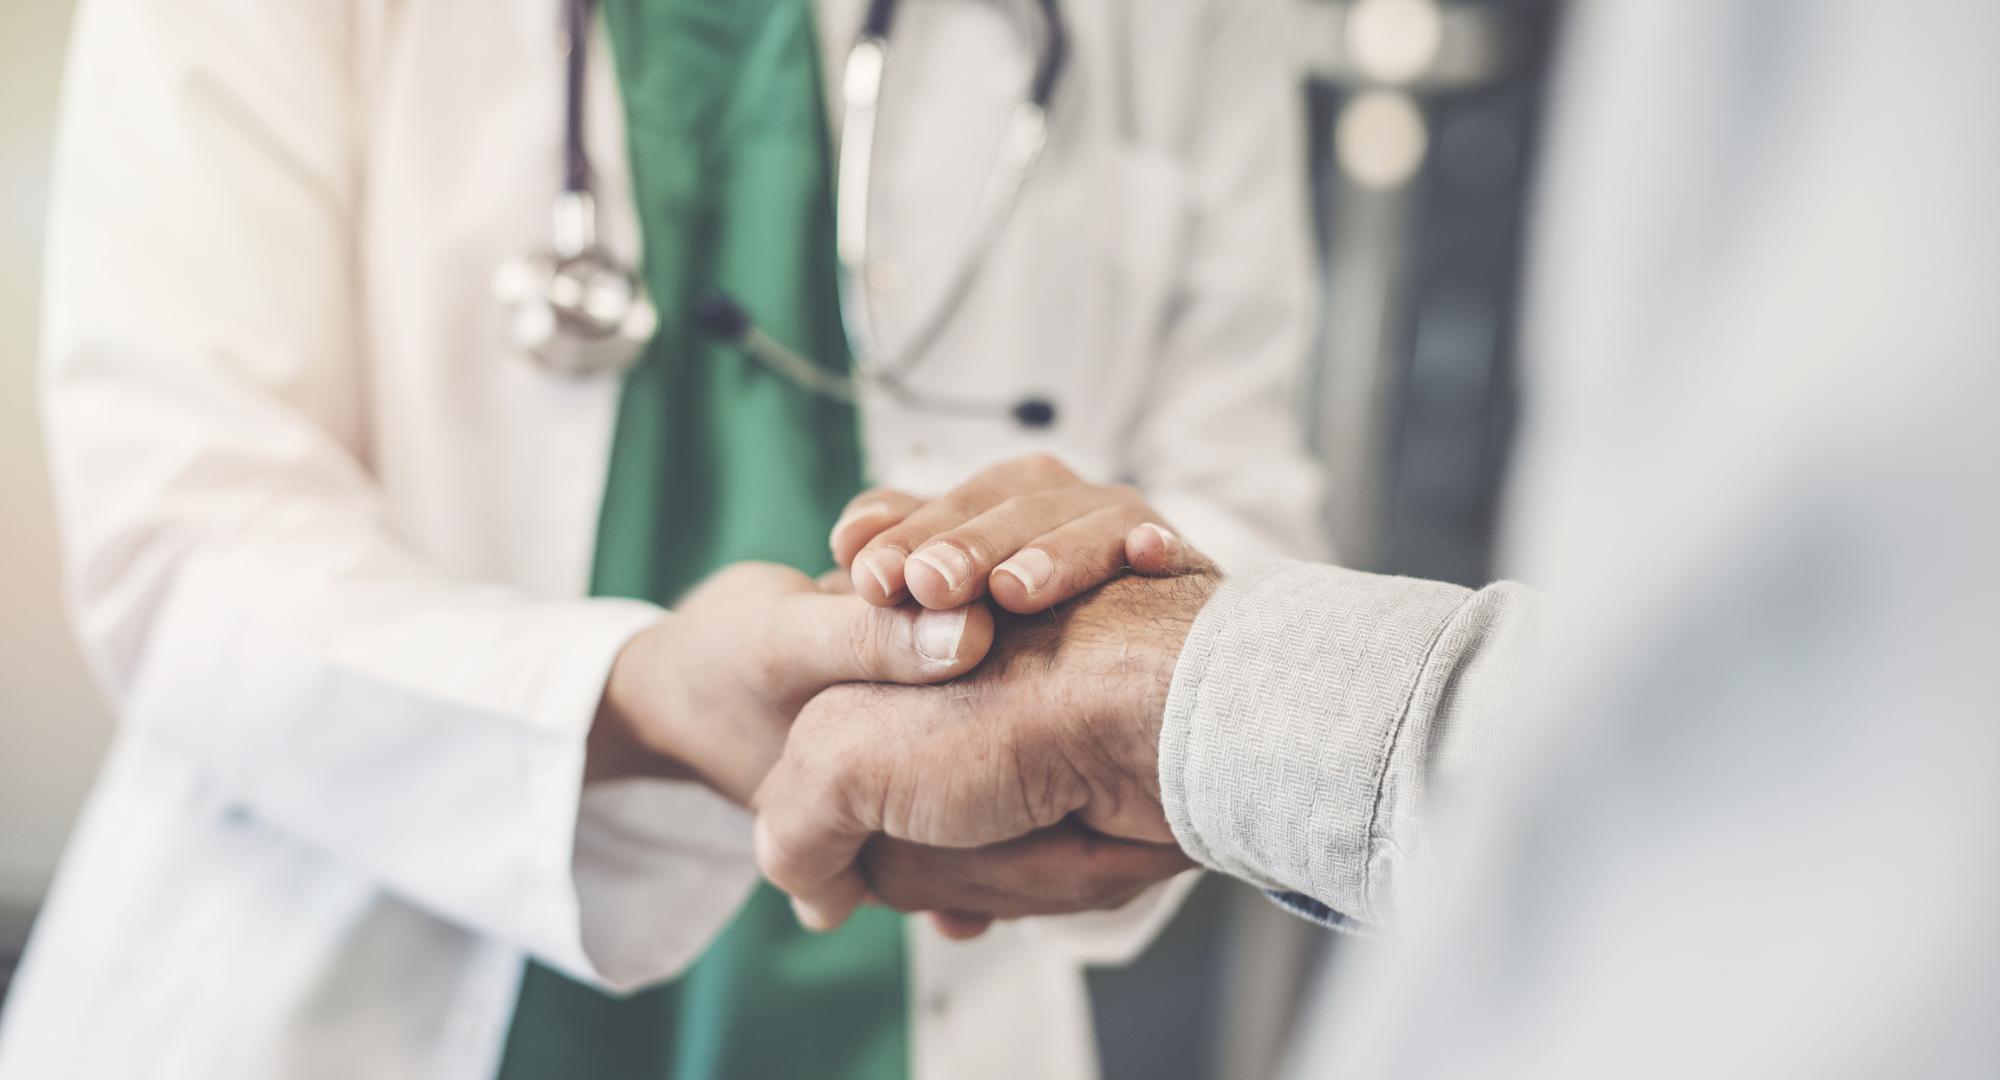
(238, 580)
(1216, 443)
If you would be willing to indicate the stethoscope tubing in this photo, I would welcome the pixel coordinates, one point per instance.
(1018, 156)
(861, 88)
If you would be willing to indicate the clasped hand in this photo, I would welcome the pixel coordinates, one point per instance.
(972, 734)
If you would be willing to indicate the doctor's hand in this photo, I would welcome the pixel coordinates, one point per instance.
(1030, 533)
(1061, 724)
(709, 691)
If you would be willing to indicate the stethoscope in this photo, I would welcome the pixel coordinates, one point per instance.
(581, 311)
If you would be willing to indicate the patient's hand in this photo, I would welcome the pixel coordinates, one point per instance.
(1059, 727)
(1029, 533)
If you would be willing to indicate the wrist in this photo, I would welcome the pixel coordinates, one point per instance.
(630, 737)
(1128, 644)
(682, 706)
(1158, 652)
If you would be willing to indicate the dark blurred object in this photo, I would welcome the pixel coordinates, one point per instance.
(1215, 996)
(1424, 124)
(1171, 980)
(13, 934)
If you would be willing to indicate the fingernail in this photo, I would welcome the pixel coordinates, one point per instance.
(949, 562)
(874, 565)
(1168, 541)
(938, 634)
(865, 510)
(810, 917)
(1031, 567)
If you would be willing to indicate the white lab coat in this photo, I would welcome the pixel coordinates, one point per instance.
(329, 535)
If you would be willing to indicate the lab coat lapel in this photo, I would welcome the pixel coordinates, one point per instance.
(538, 19)
(839, 22)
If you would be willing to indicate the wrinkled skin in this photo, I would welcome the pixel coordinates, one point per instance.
(1055, 733)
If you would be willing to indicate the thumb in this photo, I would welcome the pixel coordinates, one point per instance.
(825, 639)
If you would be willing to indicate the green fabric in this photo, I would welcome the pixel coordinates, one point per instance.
(716, 460)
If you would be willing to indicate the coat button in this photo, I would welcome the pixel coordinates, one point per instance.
(937, 1004)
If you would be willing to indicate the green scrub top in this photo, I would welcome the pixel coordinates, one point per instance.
(717, 460)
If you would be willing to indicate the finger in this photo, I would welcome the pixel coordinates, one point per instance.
(1056, 870)
(907, 762)
(853, 754)
(864, 516)
(1152, 549)
(1073, 559)
(823, 904)
(814, 640)
(1068, 868)
(806, 847)
(879, 565)
(835, 581)
(952, 567)
(822, 801)
(960, 925)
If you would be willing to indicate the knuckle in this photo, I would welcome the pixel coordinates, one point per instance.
(766, 666)
(786, 847)
(818, 722)
(963, 503)
(737, 575)
(889, 496)
(759, 578)
(1021, 506)
(829, 742)
(874, 644)
(1125, 495)
(843, 760)
(786, 867)
(806, 726)
(967, 542)
(778, 855)
(885, 541)
(1045, 467)
(892, 539)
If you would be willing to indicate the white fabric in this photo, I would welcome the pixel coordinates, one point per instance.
(1318, 718)
(328, 535)
(1747, 831)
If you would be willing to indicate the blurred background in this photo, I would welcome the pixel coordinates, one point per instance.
(53, 727)
(1423, 135)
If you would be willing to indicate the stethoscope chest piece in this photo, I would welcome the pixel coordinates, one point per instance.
(577, 309)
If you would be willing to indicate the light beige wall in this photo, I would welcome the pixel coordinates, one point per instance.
(53, 726)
